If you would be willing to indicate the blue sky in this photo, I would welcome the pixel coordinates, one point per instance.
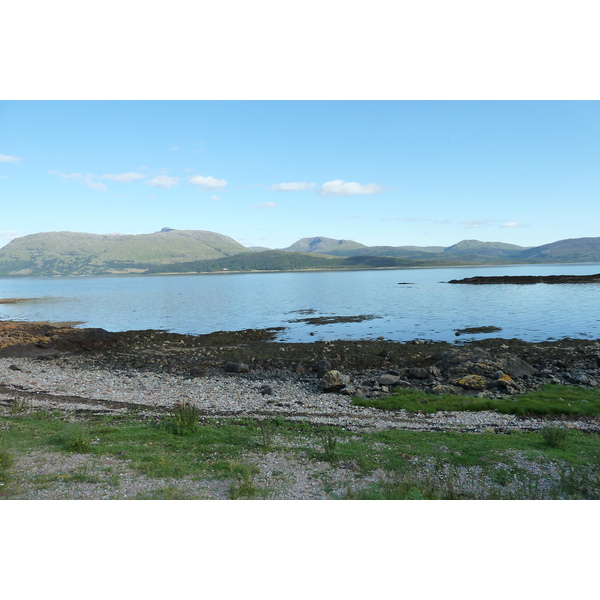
(268, 173)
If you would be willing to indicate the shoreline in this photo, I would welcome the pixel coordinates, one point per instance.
(266, 410)
(313, 270)
(324, 373)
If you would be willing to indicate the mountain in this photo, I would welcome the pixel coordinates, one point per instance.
(324, 245)
(476, 250)
(571, 250)
(71, 253)
(188, 251)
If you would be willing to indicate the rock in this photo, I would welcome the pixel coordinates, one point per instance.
(515, 367)
(322, 367)
(471, 382)
(266, 390)
(418, 373)
(388, 380)
(334, 381)
(237, 368)
(197, 372)
(503, 382)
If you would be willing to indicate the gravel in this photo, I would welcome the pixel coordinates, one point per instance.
(73, 383)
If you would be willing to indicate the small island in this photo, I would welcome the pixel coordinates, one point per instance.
(529, 279)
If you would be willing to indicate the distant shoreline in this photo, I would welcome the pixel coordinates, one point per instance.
(310, 270)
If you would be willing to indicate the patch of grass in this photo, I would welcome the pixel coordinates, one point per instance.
(405, 490)
(266, 428)
(430, 463)
(21, 406)
(555, 437)
(6, 463)
(185, 416)
(330, 447)
(577, 484)
(551, 399)
(170, 492)
(75, 438)
(243, 486)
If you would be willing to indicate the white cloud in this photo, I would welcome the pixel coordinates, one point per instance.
(123, 177)
(266, 205)
(163, 181)
(96, 185)
(348, 188)
(9, 235)
(9, 159)
(207, 183)
(476, 223)
(409, 219)
(89, 179)
(215, 198)
(512, 224)
(292, 187)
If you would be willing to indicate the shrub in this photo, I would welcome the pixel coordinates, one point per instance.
(185, 417)
(554, 437)
(266, 432)
(243, 486)
(330, 447)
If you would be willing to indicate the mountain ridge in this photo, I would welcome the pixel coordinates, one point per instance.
(67, 253)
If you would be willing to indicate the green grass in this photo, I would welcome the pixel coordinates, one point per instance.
(417, 465)
(6, 463)
(549, 400)
(184, 417)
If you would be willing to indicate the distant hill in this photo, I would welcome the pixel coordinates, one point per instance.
(71, 253)
(324, 245)
(281, 260)
(572, 250)
(183, 251)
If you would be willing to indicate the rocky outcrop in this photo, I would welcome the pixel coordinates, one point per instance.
(529, 279)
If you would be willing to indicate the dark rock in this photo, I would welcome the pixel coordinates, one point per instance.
(197, 372)
(418, 373)
(322, 367)
(237, 368)
(515, 366)
(266, 390)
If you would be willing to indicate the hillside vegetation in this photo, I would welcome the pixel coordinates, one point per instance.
(188, 251)
(70, 253)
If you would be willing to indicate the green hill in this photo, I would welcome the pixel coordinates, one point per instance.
(571, 250)
(269, 260)
(324, 245)
(188, 251)
(71, 253)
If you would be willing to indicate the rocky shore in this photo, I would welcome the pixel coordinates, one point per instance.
(87, 375)
(247, 373)
(529, 279)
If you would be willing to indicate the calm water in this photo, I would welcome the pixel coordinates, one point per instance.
(426, 308)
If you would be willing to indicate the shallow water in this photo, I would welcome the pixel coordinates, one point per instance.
(422, 307)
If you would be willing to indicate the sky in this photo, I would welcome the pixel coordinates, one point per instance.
(268, 173)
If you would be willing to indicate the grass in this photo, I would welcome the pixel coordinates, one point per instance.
(555, 437)
(74, 438)
(415, 465)
(551, 399)
(6, 462)
(184, 417)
